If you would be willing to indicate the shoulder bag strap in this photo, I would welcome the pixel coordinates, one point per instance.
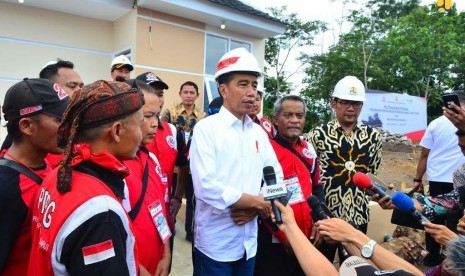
(133, 213)
(21, 169)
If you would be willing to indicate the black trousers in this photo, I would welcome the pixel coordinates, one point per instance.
(271, 259)
(190, 206)
(438, 188)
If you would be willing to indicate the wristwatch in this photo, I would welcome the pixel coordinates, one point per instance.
(367, 249)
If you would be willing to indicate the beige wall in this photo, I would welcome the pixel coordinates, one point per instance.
(31, 37)
(33, 24)
(174, 49)
(124, 30)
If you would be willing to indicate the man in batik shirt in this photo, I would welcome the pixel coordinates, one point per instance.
(345, 146)
(184, 116)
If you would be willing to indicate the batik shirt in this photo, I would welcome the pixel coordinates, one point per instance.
(177, 115)
(341, 155)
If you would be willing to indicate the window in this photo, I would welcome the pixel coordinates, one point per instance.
(210, 92)
(237, 44)
(216, 47)
(126, 52)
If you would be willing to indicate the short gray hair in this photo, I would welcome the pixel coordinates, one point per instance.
(455, 251)
(279, 103)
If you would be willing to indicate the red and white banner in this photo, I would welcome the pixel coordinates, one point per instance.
(396, 113)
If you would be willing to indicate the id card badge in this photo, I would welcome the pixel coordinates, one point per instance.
(159, 220)
(164, 180)
(293, 185)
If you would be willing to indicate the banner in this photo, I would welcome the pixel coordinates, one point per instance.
(396, 113)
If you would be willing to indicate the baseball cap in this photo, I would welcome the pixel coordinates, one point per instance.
(121, 61)
(33, 96)
(356, 266)
(150, 78)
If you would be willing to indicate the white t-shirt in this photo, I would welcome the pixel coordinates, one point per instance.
(445, 154)
(227, 158)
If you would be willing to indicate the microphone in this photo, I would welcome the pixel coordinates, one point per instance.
(405, 204)
(318, 213)
(180, 122)
(363, 182)
(119, 78)
(192, 123)
(270, 179)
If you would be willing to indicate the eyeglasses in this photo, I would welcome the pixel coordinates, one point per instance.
(346, 104)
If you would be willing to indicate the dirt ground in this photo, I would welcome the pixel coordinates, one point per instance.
(399, 167)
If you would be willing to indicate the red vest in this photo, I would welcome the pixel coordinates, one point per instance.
(266, 125)
(53, 209)
(149, 244)
(163, 146)
(292, 166)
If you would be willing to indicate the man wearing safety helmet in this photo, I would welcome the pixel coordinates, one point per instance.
(345, 146)
(228, 154)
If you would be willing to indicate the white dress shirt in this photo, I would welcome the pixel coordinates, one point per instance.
(227, 158)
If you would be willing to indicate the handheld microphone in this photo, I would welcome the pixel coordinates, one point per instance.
(270, 179)
(192, 123)
(363, 182)
(318, 213)
(120, 79)
(405, 204)
(180, 122)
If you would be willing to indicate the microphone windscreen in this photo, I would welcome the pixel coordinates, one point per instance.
(361, 180)
(313, 202)
(268, 173)
(402, 201)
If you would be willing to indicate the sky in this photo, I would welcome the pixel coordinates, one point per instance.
(330, 11)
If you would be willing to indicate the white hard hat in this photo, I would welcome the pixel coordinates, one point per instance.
(121, 61)
(238, 59)
(350, 88)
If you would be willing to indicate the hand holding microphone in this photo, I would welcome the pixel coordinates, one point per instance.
(270, 179)
(406, 204)
(318, 213)
(274, 191)
(364, 182)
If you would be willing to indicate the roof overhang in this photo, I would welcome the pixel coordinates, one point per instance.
(212, 14)
(197, 10)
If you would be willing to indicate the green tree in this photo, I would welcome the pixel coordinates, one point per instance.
(279, 50)
(395, 46)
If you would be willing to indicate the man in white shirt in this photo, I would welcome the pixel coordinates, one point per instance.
(440, 156)
(227, 157)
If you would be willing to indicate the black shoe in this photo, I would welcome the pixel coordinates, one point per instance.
(189, 237)
(433, 260)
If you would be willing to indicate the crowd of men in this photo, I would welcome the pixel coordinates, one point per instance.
(93, 176)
